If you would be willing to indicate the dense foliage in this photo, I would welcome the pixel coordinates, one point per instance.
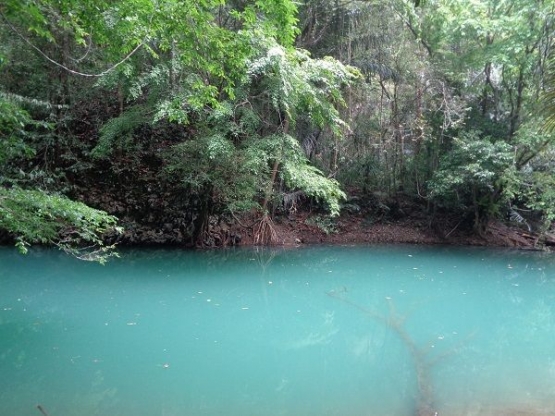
(172, 115)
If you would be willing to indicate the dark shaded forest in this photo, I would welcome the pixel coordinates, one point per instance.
(195, 123)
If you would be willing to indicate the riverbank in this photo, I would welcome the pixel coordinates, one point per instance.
(399, 222)
(305, 228)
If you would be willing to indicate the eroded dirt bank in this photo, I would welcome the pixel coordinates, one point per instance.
(305, 228)
(157, 222)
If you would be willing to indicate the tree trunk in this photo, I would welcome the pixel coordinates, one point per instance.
(275, 169)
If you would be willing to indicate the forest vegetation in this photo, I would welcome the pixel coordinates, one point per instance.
(173, 121)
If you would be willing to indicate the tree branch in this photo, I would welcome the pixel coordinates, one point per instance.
(65, 68)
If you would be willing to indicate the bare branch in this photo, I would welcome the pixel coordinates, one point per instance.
(65, 68)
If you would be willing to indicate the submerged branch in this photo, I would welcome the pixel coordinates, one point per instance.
(425, 400)
(41, 409)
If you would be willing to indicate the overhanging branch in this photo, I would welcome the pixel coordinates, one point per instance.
(65, 68)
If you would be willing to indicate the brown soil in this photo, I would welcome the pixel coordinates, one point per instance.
(153, 220)
(352, 229)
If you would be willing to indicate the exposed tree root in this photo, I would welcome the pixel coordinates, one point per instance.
(512, 236)
(265, 233)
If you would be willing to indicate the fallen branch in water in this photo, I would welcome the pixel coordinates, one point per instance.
(422, 364)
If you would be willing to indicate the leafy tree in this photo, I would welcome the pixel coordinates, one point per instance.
(13, 121)
(477, 177)
(34, 216)
(233, 106)
(247, 147)
(548, 96)
(174, 61)
(288, 86)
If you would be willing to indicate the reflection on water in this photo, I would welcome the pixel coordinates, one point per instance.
(312, 331)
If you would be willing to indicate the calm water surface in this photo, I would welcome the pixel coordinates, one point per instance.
(312, 331)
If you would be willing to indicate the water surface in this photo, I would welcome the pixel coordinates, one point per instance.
(311, 331)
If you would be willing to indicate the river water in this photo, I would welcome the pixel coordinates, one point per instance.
(343, 331)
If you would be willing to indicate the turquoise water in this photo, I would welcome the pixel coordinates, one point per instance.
(311, 331)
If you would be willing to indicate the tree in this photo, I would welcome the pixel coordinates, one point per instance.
(34, 216)
(192, 65)
(248, 146)
(477, 177)
(232, 106)
(548, 96)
